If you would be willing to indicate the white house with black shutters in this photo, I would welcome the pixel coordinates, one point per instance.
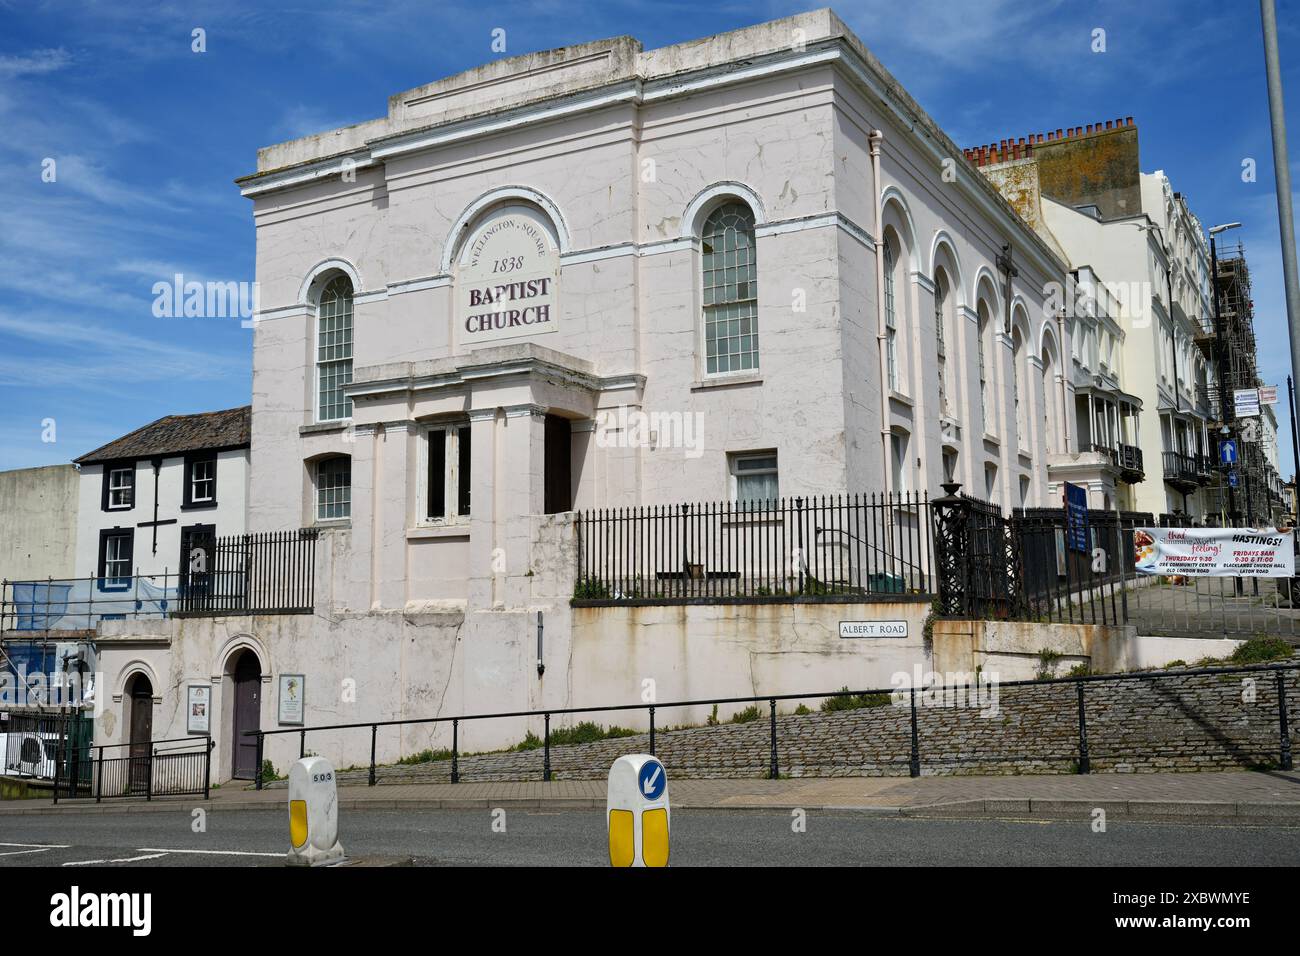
(151, 498)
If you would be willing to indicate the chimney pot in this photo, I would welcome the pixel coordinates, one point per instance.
(1128, 121)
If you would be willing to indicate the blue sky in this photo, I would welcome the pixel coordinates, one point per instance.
(148, 136)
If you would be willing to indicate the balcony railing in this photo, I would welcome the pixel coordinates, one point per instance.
(1187, 469)
(268, 573)
(1130, 462)
(1126, 458)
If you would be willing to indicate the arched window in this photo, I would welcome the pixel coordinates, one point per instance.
(1050, 433)
(891, 314)
(334, 350)
(941, 335)
(980, 335)
(1017, 389)
(730, 290)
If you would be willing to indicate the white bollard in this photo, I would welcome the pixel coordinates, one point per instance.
(313, 814)
(636, 812)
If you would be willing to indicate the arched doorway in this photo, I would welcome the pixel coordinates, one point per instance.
(246, 676)
(140, 721)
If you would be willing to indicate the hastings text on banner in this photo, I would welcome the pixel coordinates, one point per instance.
(1214, 552)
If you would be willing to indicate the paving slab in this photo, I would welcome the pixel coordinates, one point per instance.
(1208, 796)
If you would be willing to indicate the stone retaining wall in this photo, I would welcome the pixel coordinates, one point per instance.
(1135, 725)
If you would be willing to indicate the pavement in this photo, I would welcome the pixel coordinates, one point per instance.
(1243, 797)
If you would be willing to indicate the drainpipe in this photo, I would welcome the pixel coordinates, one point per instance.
(874, 139)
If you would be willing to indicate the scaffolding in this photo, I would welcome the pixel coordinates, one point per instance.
(1257, 496)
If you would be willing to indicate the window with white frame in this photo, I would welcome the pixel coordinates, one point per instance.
(448, 473)
(334, 350)
(119, 487)
(754, 478)
(334, 488)
(201, 480)
(891, 317)
(115, 557)
(730, 290)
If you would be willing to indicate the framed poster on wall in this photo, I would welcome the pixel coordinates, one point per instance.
(198, 709)
(293, 689)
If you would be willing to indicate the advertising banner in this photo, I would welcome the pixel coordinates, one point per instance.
(1215, 552)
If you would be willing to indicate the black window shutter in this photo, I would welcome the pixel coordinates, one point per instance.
(187, 493)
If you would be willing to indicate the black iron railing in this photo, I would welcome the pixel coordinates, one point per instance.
(830, 547)
(266, 573)
(1075, 566)
(913, 756)
(1187, 468)
(155, 768)
(1130, 460)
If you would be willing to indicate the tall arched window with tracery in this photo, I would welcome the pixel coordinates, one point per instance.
(334, 349)
(891, 315)
(730, 290)
(981, 332)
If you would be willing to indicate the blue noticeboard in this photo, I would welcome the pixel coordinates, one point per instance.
(1228, 451)
(1232, 479)
(651, 780)
(1076, 517)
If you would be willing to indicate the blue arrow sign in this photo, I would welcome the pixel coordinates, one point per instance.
(650, 780)
(1228, 451)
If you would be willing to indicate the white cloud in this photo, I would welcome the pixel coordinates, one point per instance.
(36, 63)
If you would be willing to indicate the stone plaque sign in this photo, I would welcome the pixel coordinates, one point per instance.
(506, 284)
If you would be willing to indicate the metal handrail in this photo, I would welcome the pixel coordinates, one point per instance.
(772, 699)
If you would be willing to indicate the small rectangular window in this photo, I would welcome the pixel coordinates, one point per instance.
(200, 480)
(115, 555)
(119, 487)
(901, 473)
(334, 489)
(448, 474)
(755, 478)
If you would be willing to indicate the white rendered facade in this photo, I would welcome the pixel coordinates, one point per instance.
(1131, 255)
(617, 158)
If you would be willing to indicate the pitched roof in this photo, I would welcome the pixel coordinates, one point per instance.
(177, 434)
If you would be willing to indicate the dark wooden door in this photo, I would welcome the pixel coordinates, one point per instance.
(141, 733)
(558, 454)
(198, 552)
(248, 697)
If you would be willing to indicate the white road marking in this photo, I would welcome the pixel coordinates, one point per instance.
(154, 849)
(44, 849)
(43, 846)
(129, 859)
